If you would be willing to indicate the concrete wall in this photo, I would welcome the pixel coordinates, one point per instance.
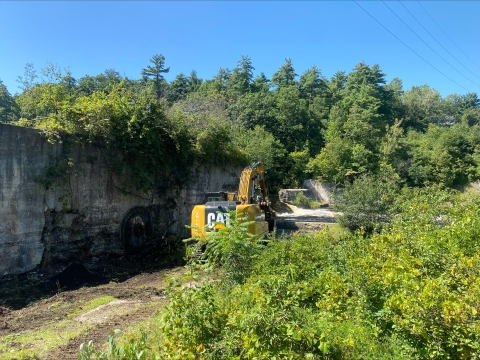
(311, 188)
(81, 217)
(319, 191)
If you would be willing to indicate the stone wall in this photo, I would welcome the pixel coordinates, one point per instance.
(80, 217)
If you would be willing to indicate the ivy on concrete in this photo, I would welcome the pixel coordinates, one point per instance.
(150, 149)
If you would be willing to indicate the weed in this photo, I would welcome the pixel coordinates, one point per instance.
(134, 349)
(40, 341)
(92, 304)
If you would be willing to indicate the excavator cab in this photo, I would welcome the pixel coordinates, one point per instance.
(220, 196)
(251, 202)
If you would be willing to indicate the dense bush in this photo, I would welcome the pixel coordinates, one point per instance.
(304, 202)
(366, 203)
(161, 146)
(408, 292)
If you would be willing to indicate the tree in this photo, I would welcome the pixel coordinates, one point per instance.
(194, 81)
(292, 125)
(335, 87)
(367, 203)
(285, 76)
(240, 81)
(423, 105)
(454, 106)
(56, 89)
(217, 85)
(178, 88)
(261, 83)
(256, 108)
(183, 85)
(101, 82)
(260, 145)
(341, 161)
(8, 108)
(471, 116)
(355, 126)
(312, 84)
(446, 155)
(28, 79)
(394, 99)
(469, 100)
(156, 72)
(360, 115)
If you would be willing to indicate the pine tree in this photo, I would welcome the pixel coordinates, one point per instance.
(156, 72)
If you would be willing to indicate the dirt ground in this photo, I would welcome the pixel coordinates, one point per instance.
(131, 302)
(49, 312)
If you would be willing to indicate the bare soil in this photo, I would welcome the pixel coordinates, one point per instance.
(55, 300)
(137, 298)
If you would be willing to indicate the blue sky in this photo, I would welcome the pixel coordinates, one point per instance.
(90, 37)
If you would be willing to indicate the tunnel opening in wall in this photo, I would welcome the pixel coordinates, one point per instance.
(136, 229)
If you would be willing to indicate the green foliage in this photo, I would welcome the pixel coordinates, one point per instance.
(367, 203)
(240, 81)
(9, 109)
(408, 292)
(304, 202)
(191, 320)
(134, 349)
(296, 167)
(301, 200)
(104, 82)
(214, 144)
(260, 145)
(444, 155)
(285, 76)
(335, 129)
(231, 248)
(471, 117)
(155, 72)
(29, 77)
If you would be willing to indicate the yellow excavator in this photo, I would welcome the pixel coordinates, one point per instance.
(251, 202)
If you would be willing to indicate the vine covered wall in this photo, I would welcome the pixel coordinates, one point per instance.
(59, 205)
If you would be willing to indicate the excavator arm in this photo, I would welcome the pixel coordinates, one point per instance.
(246, 189)
(252, 175)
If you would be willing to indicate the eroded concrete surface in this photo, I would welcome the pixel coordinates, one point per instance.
(81, 217)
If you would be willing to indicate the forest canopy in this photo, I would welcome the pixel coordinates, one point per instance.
(301, 126)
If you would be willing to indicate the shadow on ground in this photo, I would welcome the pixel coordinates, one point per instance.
(19, 291)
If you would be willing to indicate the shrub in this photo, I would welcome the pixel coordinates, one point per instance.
(133, 349)
(301, 200)
(367, 203)
(408, 292)
(230, 248)
(304, 202)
